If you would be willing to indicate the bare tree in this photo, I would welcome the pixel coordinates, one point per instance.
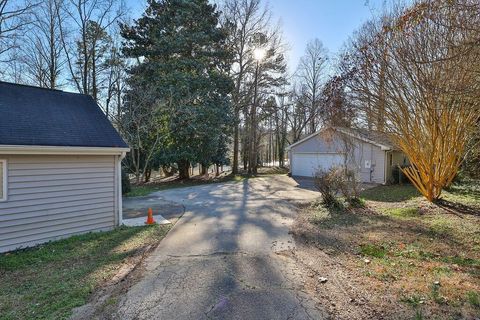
(298, 120)
(43, 51)
(138, 124)
(423, 66)
(13, 69)
(85, 48)
(243, 19)
(269, 75)
(311, 75)
(115, 67)
(336, 110)
(281, 124)
(14, 16)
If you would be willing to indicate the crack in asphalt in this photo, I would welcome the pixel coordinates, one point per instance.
(213, 254)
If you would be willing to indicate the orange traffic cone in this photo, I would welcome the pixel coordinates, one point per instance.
(150, 217)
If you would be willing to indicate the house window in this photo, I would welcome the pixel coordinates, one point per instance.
(3, 180)
(391, 159)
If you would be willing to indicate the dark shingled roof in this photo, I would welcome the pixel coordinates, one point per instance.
(43, 117)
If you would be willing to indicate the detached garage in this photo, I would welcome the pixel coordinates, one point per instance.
(60, 171)
(369, 152)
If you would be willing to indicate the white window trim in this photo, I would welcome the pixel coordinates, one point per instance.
(5, 180)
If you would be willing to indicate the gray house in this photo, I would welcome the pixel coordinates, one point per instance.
(368, 152)
(60, 171)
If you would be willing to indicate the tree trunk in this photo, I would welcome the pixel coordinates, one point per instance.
(148, 174)
(253, 158)
(183, 169)
(204, 169)
(94, 76)
(235, 143)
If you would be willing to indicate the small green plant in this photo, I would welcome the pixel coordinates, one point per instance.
(401, 212)
(462, 261)
(373, 250)
(356, 202)
(442, 270)
(436, 296)
(473, 298)
(413, 300)
(418, 314)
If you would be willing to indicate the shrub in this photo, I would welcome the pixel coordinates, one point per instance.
(329, 183)
(471, 164)
(356, 202)
(338, 180)
(126, 187)
(350, 188)
(398, 176)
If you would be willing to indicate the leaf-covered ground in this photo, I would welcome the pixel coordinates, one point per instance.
(399, 257)
(158, 184)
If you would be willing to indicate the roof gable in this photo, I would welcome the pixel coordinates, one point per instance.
(34, 116)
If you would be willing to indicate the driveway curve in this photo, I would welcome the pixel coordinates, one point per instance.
(222, 259)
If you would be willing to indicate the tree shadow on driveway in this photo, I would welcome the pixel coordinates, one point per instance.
(219, 260)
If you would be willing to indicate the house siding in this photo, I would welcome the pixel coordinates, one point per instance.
(51, 197)
(365, 151)
(320, 143)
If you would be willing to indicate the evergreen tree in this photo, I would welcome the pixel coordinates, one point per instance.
(183, 55)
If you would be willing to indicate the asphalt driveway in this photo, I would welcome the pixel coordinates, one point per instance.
(222, 259)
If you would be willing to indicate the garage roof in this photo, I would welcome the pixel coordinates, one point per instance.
(374, 137)
(32, 116)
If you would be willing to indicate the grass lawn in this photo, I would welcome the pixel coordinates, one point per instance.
(147, 188)
(48, 281)
(412, 259)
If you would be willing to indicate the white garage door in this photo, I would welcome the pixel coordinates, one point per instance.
(306, 164)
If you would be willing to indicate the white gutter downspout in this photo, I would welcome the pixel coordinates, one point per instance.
(119, 188)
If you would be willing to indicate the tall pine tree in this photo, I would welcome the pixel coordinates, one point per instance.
(182, 54)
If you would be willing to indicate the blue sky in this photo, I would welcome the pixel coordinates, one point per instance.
(331, 21)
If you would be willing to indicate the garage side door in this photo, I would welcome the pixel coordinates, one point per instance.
(306, 164)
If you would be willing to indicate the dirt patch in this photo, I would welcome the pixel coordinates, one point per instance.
(391, 260)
